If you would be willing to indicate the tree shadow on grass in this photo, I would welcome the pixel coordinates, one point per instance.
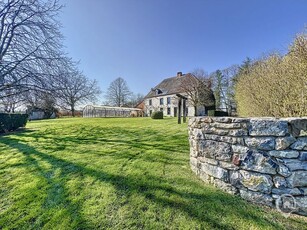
(206, 208)
(56, 194)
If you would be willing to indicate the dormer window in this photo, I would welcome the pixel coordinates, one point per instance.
(158, 91)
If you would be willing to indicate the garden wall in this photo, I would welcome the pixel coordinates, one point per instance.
(263, 160)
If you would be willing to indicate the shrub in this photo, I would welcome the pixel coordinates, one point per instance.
(216, 113)
(11, 122)
(275, 85)
(220, 113)
(157, 115)
(211, 113)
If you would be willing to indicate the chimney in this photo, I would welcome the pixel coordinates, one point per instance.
(179, 74)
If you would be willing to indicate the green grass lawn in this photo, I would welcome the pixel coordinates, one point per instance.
(115, 173)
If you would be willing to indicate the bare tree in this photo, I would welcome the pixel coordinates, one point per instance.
(30, 44)
(76, 89)
(230, 74)
(11, 102)
(197, 86)
(38, 100)
(134, 100)
(118, 92)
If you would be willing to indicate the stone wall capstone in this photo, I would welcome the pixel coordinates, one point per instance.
(263, 160)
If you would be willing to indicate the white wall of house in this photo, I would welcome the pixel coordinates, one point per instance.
(168, 106)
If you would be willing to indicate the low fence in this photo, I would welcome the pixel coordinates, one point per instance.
(263, 160)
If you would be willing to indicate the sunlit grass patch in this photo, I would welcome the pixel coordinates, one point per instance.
(117, 174)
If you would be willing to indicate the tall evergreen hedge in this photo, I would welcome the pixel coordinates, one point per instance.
(11, 122)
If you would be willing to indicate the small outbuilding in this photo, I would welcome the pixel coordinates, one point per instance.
(108, 111)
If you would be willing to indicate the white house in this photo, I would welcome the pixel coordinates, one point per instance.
(163, 97)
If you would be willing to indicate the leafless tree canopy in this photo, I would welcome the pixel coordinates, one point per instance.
(134, 100)
(12, 101)
(118, 93)
(38, 100)
(32, 61)
(76, 89)
(198, 88)
(30, 44)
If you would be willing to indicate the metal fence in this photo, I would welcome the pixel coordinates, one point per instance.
(108, 111)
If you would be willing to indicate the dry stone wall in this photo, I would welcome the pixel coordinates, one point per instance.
(263, 160)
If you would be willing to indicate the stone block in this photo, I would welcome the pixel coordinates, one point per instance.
(198, 134)
(256, 182)
(191, 121)
(208, 160)
(261, 143)
(284, 142)
(235, 179)
(280, 182)
(221, 132)
(237, 132)
(215, 171)
(304, 191)
(204, 177)
(257, 197)
(300, 144)
(212, 130)
(216, 150)
(240, 120)
(288, 191)
(284, 153)
(295, 165)
(222, 119)
(233, 140)
(303, 156)
(227, 125)
(268, 127)
(207, 129)
(297, 179)
(225, 187)
(236, 160)
(195, 169)
(230, 140)
(296, 125)
(194, 161)
(227, 165)
(205, 119)
(240, 149)
(283, 170)
(259, 162)
(301, 203)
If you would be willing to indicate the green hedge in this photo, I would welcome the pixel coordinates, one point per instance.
(157, 115)
(216, 113)
(11, 122)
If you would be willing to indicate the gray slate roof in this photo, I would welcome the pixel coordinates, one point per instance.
(168, 86)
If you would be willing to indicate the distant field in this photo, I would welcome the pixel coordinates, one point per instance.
(115, 173)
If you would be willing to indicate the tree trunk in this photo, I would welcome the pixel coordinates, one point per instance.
(195, 111)
(179, 110)
(184, 110)
(73, 110)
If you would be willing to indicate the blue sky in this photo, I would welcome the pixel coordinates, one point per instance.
(145, 41)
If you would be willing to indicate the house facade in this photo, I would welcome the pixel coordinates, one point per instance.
(163, 98)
